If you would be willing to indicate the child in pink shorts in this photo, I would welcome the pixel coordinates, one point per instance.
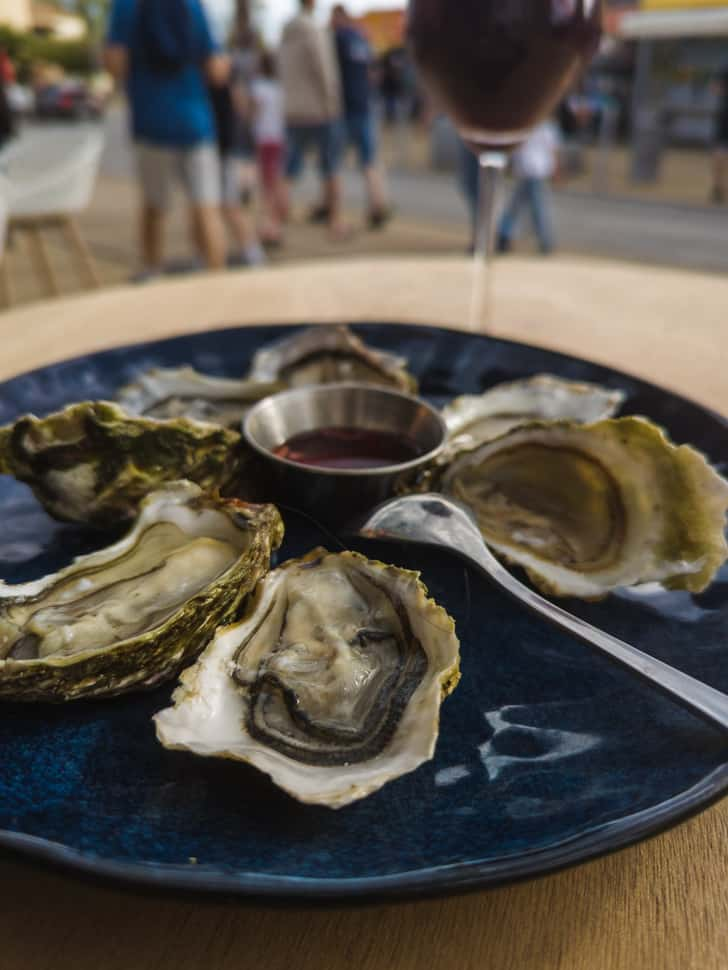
(269, 129)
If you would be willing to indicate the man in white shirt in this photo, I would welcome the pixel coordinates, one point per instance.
(310, 77)
(534, 164)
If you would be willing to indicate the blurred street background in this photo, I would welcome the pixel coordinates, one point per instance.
(636, 176)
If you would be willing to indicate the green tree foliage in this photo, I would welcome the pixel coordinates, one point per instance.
(94, 12)
(75, 56)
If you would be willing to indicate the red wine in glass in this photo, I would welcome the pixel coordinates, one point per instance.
(499, 68)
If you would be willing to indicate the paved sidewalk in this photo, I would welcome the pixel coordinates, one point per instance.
(431, 220)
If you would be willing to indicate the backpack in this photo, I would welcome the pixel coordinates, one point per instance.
(166, 37)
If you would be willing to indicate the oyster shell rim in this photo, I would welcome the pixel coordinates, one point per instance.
(192, 693)
(686, 460)
(138, 395)
(89, 674)
(263, 367)
(214, 457)
(461, 410)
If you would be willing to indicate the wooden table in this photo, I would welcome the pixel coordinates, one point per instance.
(662, 905)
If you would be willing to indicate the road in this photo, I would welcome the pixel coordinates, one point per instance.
(691, 237)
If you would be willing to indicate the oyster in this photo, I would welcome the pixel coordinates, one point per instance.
(474, 419)
(326, 355)
(94, 463)
(589, 508)
(331, 684)
(133, 614)
(184, 393)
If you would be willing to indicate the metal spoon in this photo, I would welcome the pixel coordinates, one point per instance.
(437, 520)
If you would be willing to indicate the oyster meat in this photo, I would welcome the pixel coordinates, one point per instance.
(589, 508)
(94, 463)
(327, 355)
(331, 684)
(166, 393)
(133, 614)
(474, 419)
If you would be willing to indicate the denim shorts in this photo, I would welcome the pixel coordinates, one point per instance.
(361, 134)
(321, 138)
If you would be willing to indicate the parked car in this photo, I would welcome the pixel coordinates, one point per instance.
(67, 100)
(20, 99)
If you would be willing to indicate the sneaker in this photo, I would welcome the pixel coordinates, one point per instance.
(254, 255)
(249, 256)
(378, 218)
(145, 276)
(319, 214)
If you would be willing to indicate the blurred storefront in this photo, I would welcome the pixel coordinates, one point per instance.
(384, 28)
(680, 47)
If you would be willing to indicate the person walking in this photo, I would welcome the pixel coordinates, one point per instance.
(229, 102)
(392, 85)
(7, 77)
(719, 191)
(245, 56)
(164, 53)
(310, 77)
(535, 163)
(269, 129)
(355, 66)
(7, 126)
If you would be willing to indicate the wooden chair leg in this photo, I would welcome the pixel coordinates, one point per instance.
(42, 260)
(7, 291)
(82, 253)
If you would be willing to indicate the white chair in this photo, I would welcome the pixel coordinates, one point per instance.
(50, 177)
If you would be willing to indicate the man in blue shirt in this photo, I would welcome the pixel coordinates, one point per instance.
(355, 60)
(163, 51)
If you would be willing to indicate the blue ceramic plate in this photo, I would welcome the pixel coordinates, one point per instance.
(548, 754)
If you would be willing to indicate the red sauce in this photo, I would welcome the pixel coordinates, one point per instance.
(349, 448)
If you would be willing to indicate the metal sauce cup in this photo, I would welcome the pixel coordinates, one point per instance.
(335, 495)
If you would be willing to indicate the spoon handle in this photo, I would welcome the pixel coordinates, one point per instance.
(691, 693)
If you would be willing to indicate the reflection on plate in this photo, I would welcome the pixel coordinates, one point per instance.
(550, 755)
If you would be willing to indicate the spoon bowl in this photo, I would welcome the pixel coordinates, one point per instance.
(438, 520)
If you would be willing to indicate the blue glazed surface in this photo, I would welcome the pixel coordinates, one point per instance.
(547, 755)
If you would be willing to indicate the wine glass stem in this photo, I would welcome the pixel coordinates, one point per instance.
(491, 166)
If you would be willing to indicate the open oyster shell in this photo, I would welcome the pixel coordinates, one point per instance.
(94, 463)
(328, 355)
(167, 393)
(133, 614)
(589, 508)
(331, 684)
(474, 419)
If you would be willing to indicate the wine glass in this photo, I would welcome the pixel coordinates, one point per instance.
(499, 68)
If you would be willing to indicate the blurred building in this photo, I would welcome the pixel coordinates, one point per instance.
(41, 17)
(384, 28)
(16, 14)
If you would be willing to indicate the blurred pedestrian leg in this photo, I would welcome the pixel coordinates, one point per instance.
(532, 195)
(162, 51)
(535, 163)
(198, 171)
